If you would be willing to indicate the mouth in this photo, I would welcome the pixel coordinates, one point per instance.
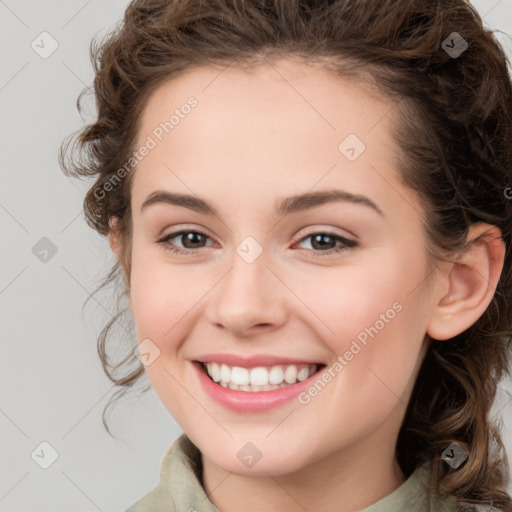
(258, 378)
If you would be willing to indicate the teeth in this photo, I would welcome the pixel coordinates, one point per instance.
(259, 378)
(240, 376)
(225, 373)
(214, 371)
(290, 374)
(276, 375)
(303, 374)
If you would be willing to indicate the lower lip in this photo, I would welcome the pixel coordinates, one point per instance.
(251, 401)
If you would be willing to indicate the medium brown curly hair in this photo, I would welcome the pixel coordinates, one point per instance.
(453, 125)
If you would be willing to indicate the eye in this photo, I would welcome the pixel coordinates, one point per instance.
(193, 240)
(325, 240)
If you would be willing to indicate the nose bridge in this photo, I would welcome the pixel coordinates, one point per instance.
(249, 293)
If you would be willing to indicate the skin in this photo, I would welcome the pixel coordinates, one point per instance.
(253, 139)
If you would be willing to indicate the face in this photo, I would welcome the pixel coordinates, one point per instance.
(336, 283)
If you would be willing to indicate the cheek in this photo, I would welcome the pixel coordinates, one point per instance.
(163, 298)
(162, 295)
(374, 322)
(348, 301)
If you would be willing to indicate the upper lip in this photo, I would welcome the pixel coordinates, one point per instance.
(250, 361)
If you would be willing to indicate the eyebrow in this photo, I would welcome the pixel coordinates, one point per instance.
(286, 206)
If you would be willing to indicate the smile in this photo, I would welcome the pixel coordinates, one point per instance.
(259, 378)
(246, 398)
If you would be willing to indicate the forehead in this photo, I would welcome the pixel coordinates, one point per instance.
(283, 125)
(309, 88)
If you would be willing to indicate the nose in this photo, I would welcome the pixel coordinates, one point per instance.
(249, 299)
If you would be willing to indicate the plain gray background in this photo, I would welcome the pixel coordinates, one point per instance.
(53, 389)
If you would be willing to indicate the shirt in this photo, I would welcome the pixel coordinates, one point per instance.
(180, 488)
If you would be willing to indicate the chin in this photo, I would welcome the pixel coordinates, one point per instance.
(276, 464)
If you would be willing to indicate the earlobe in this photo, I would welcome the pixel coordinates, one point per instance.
(470, 284)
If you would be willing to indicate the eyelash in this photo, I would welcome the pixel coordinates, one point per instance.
(347, 244)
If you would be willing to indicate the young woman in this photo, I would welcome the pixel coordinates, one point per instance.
(310, 207)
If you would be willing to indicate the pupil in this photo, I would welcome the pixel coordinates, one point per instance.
(321, 237)
(189, 237)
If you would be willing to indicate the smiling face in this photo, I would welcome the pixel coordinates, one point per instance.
(264, 279)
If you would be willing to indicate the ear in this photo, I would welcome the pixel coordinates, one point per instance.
(113, 237)
(469, 285)
(116, 246)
